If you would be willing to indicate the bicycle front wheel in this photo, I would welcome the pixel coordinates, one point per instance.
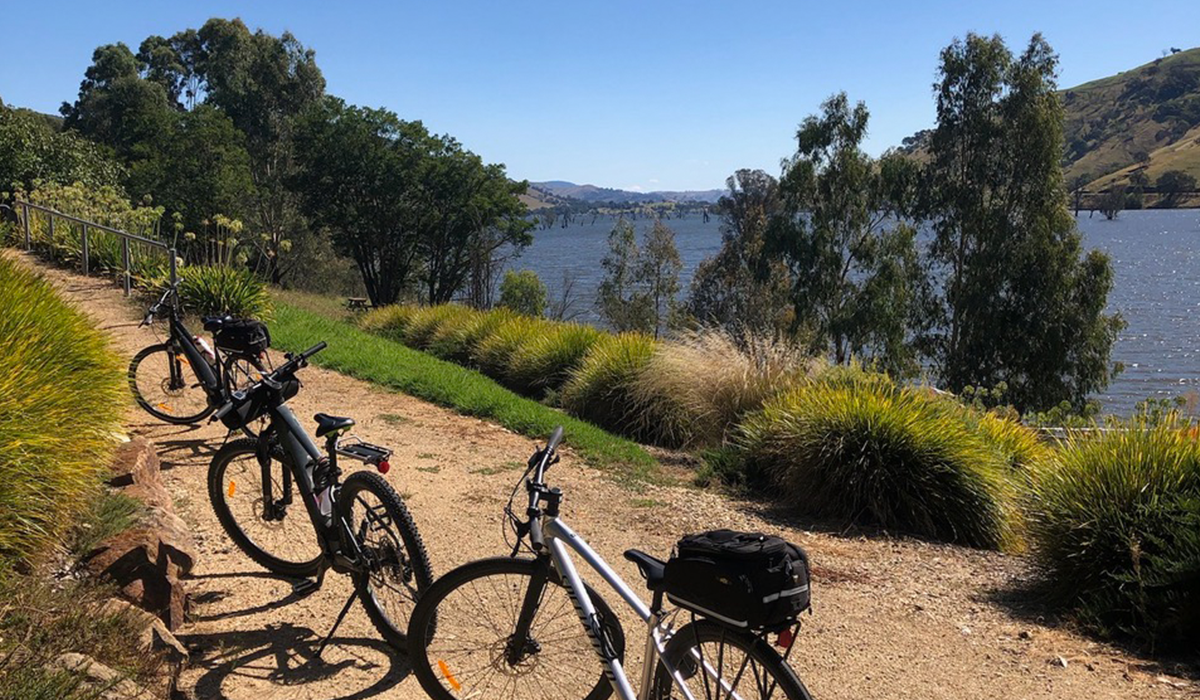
(269, 524)
(462, 638)
(164, 384)
(716, 662)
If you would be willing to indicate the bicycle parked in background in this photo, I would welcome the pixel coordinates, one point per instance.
(183, 380)
(530, 628)
(359, 527)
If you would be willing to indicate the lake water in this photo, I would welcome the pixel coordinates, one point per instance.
(1156, 259)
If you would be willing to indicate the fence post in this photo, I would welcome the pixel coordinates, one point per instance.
(125, 259)
(28, 241)
(51, 217)
(85, 250)
(171, 252)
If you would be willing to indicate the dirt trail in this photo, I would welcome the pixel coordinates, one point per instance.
(892, 618)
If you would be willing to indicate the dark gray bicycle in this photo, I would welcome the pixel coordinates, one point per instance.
(183, 380)
(272, 492)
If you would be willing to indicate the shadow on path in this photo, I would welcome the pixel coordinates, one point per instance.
(285, 655)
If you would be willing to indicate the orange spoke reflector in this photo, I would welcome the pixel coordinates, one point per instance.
(449, 676)
(164, 407)
(232, 488)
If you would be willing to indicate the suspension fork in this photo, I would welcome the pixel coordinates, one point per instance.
(529, 607)
(263, 453)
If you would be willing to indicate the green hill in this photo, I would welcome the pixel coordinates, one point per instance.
(1145, 118)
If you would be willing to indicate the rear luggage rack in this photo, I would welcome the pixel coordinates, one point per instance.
(363, 451)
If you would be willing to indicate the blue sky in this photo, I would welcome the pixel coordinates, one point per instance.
(646, 95)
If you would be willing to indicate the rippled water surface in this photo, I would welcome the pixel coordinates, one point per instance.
(1156, 257)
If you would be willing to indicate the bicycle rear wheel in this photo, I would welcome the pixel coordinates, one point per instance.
(717, 662)
(396, 570)
(164, 384)
(462, 636)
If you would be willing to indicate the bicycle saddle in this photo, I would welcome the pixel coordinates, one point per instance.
(327, 424)
(214, 323)
(649, 567)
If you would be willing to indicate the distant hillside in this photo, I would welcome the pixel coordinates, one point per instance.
(594, 194)
(1146, 119)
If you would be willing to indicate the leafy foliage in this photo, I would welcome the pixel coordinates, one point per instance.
(523, 292)
(220, 291)
(408, 206)
(741, 289)
(1022, 304)
(640, 282)
(61, 398)
(857, 281)
(31, 153)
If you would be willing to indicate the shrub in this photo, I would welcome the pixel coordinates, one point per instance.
(446, 340)
(697, 388)
(861, 448)
(523, 292)
(601, 389)
(1114, 523)
(61, 401)
(425, 321)
(495, 351)
(548, 358)
(219, 291)
(389, 321)
(1020, 446)
(460, 342)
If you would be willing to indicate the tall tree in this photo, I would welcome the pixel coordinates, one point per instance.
(659, 273)
(855, 271)
(1022, 304)
(116, 106)
(740, 288)
(474, 211)
(620, 299)
(358, 171)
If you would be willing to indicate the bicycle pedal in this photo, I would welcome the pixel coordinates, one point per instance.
(305, 587)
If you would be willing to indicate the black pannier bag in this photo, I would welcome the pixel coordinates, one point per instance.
(243, 335)
(747, 580)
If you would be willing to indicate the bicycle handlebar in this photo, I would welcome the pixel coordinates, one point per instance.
(274, 380)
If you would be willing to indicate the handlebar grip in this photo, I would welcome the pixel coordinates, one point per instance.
(555, 438)
(313, 350)
(222, 411)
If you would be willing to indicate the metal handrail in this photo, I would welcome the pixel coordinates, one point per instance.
(125, 236)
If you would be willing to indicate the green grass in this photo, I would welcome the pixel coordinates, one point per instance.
(62, 398)
(1114, 523)
(110, 513)
(393, 365)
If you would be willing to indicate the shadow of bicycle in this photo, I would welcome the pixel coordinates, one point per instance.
(258, 663)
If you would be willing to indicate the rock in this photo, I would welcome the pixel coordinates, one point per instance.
(96, 675)
(135, 462)
(146, 561)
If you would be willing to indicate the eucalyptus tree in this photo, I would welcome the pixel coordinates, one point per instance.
(1022, 303)
(856, 277)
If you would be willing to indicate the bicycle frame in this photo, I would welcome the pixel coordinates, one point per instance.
(557, 537)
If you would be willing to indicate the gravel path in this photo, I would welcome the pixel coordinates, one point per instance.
(892, 617)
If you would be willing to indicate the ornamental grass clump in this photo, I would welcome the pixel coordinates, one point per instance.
(426, 320)
(548, 358)
(388, 321)
(698, 387)
(62, 397)
(860, 448)
(601, 388)
(1114, 526)
(447, 339)
(221, 291)
(494, 352)
(460, 342)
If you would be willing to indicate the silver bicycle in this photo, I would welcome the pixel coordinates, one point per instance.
(529, 627)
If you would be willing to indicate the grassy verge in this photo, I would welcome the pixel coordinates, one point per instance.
(390, 364)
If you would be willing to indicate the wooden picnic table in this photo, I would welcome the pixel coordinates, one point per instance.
(357, 304)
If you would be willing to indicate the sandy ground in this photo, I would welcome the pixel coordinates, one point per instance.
(892, 617)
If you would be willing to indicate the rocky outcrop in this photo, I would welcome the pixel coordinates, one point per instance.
(147, 561)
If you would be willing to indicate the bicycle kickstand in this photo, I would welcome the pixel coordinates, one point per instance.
(337, 623)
